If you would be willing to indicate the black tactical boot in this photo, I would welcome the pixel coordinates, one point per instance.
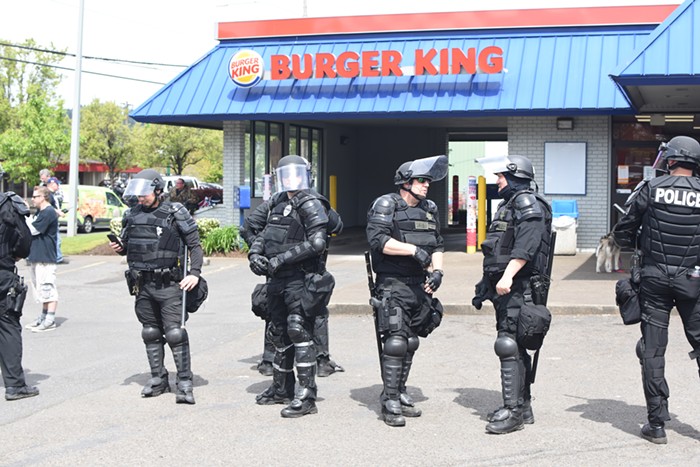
(391, 411)
(156, 386)
(408, 408)
(327, 367)
(304, 403)
(280, 392)
(265, 368)
(505, 421)
(654, 433)
(525, 409)
(184, 392)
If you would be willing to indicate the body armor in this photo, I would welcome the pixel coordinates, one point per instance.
(416, 225)
(153, 240)
(500, 237)
(288, 222)
(671, 233)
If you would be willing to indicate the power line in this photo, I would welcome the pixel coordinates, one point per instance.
(84, 71)
(66, 54)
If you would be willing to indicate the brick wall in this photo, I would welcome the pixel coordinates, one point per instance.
(527, 135)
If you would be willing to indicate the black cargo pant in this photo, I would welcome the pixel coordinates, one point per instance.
(658, 295)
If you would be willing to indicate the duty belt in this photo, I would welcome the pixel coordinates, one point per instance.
(161, 277)
(408, 280)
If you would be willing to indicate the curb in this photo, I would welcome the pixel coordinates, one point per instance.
(487, 310)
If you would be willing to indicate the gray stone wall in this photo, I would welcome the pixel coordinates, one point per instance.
(527, 135)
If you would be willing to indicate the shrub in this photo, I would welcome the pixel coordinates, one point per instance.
(206, 225)
(223, 240)
(115, 226)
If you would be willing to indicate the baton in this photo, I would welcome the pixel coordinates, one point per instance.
(617, 206)
(184, 292)
(374, 302)
(548, 272)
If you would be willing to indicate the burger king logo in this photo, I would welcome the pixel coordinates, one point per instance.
(246, 68)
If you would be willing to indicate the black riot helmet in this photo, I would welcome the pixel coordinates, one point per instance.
(682, 149)
(143, 183)
(512, 166)
(433, 168)
(293, 173)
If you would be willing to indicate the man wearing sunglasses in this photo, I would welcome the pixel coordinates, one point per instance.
(663, 215)
(403, 231)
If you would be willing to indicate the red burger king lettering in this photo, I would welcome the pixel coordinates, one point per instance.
(374, 63)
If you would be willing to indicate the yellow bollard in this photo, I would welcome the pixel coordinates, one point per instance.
(333, 191)
(481, 217)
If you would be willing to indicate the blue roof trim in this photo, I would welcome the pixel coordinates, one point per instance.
(670, 55)
(549, 71)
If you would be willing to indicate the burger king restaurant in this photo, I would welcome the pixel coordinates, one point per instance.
(586, 93)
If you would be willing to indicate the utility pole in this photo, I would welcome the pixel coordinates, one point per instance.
(75, 131)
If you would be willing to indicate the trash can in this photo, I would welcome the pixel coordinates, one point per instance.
(565, 227)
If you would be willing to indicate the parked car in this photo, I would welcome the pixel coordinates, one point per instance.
(208, 194)
(97, 206)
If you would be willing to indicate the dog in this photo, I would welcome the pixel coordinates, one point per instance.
(607, 254)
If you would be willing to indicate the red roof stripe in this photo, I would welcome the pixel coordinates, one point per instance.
(614, 15)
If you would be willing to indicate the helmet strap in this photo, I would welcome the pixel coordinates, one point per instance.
(415, 196)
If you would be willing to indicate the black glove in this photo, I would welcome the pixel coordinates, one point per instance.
(422, 256)
(276, 262)
(258, 264)
(434, 279)
(481, 292)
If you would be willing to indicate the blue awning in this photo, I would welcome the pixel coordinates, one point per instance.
(669, 58)
(547, 71)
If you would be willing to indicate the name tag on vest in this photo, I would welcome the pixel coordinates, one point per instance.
(676, 197)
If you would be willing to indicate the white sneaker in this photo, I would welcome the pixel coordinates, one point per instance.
(43, 327)
(34, 324)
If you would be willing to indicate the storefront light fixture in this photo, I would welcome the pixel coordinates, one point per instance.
(696, 122)
(565, 123)
(661, 120)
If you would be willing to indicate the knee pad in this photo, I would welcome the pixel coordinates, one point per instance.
(505, 347)
(151, 335)
(296, 330)
(395, 346)
(413, 343)
(640, 349)
(176, 336)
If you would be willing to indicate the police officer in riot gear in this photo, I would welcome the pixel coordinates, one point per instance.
(663, 215)
(403, 231)
(516, 248)
(252, 227)
(151, 236)
(289, 251)
(15, 242)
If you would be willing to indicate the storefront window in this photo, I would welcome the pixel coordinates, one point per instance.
(264, 147)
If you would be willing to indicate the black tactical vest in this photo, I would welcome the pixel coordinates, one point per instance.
(284, 229)
(153, 241)
(671, 224)
(412, 224)
(5, 231)
(500, 239)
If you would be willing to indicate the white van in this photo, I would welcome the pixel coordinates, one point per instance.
(97, 206)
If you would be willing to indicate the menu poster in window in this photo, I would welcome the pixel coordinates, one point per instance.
(565, 168)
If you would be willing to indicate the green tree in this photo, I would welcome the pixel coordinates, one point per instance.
(24, 67)
(39, 138)
(180, 147)
(106, 135)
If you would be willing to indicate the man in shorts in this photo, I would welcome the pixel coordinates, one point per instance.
(42, 257)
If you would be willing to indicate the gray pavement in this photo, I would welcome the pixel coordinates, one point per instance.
(588, 400)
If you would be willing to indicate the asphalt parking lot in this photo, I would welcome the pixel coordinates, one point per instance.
(588, 401)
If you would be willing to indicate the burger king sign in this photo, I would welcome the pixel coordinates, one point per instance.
(246, 68)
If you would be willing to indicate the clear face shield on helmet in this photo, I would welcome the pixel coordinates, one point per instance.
(660, 163)
(495, 164)
(135, 188)
(433, 168)
(292, 177)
